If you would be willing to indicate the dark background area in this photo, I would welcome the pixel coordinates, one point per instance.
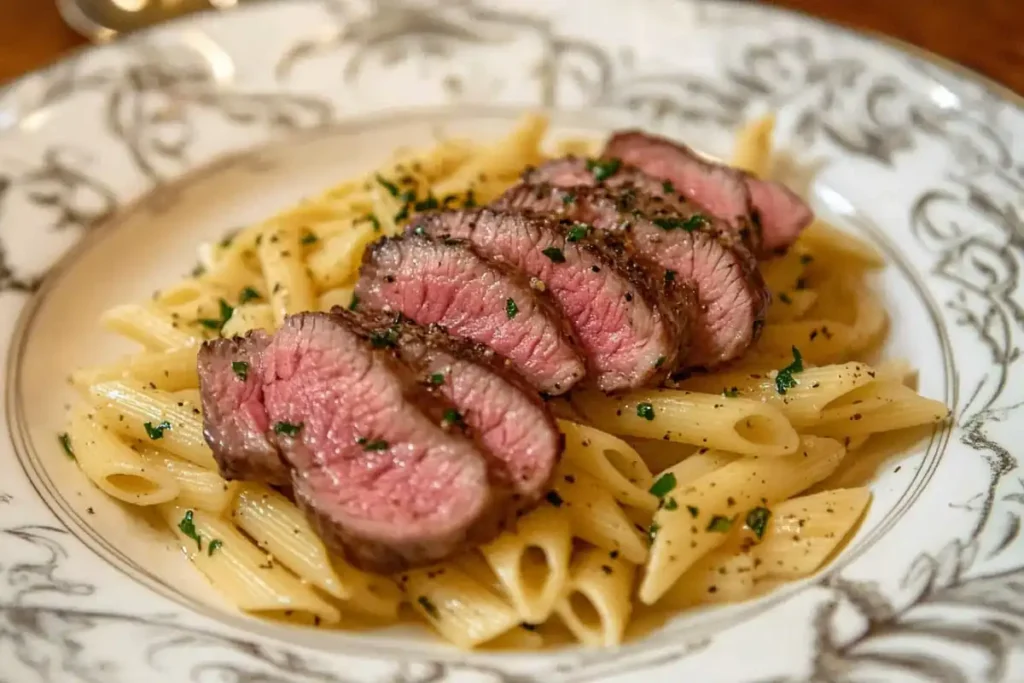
(985, 35)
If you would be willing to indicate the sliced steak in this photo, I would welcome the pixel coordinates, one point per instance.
(378, 467)
(731, 293)
(622, 318)
(506, 416)
(234, 420)
(613, 174)
(445, 282)
(723, 191)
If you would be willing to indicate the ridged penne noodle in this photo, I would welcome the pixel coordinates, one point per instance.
(723, 575)
(804, 531)
(477, 568)
(170, 370)
(821, 342)
(199, 488)
(290, 284)
(114, 467)
(523, 145)
(155, 329)
(462, 610)
(790, 306)
(839, 246)
(877, 453)
(524, 637)
(752, 150)
(336, 262)
(339, 296)
(611, 461)
(701, 514)
(787, 273)
(280, 528)
(245, 575)
(701, 463)
(882, 407)
(248, 317)
(532, 562)
(594, 514)
(737, 425)
(597, 602)
(151, 415)
(870, 319)
(371, 595)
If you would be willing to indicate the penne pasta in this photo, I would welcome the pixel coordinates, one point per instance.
(245, 575)
(879, 407)
(336, 263)
(248, 317)
(170, 370)
(532, 563)
(723, 575)
(154, 329)
(291, 287)
(707, 420)
(697, 516)
(339, 296)
(753, 147)
(114, 467)
(611, 461)
(840, 247)
(198, 487)
(597, 605)
(280, 528)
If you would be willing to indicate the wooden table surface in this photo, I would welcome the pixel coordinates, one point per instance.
(985, 35)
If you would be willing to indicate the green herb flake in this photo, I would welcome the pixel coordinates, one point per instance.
(568, 198)
(732, 392)
(388, 185)
(225, 311)
(427, 204)
(784, 298)
(374, 445)
(215, 544)
(661, 361)
(354, 304)
(248, 294)
(652, 532)
(667, 188)
(602, 169)
(385, 339)
(437, 379)
(694, 511)
(429, 607)
(578, 232)
(719, 524)
(510, 308)
(188, 527)
(757, 521)
(65, 442)
(309, 238)
(664, 485)
(241, 369)
(784, 381)
(671, 504)
(287, 428)
(553, 498)
(670, 276)
(555, 254)
(645, 410)
(157, 432)
(453, 417)
(372, 220)
(470, 201)
(694, 222)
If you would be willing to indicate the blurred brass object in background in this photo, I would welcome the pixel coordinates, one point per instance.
(102, 20)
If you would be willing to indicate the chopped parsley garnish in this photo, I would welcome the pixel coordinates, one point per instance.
(578, 232)
(228, 238)
(226, 310)
(690, 224)
(510, 308)
(354, 304)
(670, 504)
(663, 485)
(428, 607)
(555, 254)
(248, 294)
(373, 220)
(661, 361)
(427, 204)
(287, 428)
(667, 188)
(385, 339)
(214, 545)
(309, 238)
(645, 410)
(374, 445)
(732, 392)
(603, 168)
(240, 368)
(470, 200)
(437, 379)
(453, 417)
(652, 532)
(157, 432)
(65, 441)
(719, 524)
(553, 498)
(784, 298)
(388, 185)
(188, 527)
(670, 276)
(757, 521)
(694, 511)
(568, 198)
(785, 381)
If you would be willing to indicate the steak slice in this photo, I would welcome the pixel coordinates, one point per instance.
(506, 416)
(378, 468)
(723, 191)
(622, 318)
(235, 423)
(732, 297)
(445, 282)
(572, 171)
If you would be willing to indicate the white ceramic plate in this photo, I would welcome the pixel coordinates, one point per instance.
(116, 162)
